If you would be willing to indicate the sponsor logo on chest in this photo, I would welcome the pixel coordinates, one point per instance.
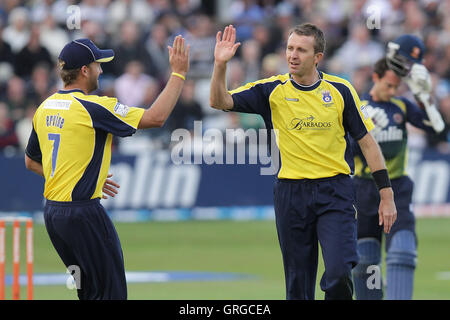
(308, 123)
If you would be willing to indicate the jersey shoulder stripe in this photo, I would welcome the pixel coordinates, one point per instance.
(399, 103)
(350, 95)
(106, 103)
(103, 118)
(271, 83)
(341, 85)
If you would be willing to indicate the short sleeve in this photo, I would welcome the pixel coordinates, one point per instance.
(112, 116)
(356, 121)
(249, 99)
(253, 97)
(33, 149)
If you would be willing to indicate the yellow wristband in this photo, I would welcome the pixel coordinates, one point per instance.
(178, 75)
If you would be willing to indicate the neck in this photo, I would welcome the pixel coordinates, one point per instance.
(307, 79)
(76, 86)
(374, 95)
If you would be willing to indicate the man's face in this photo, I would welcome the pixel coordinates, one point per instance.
(386, 87)
(95, 70)
(300, 54)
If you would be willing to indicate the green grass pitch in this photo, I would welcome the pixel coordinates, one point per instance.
(245, 247)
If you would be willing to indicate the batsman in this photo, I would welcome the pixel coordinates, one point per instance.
(390, 114)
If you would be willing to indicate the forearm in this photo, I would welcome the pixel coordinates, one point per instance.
(372, 153)
(160, 110)
(435, 119)
(34, 166)
(419, 82)
(375, 160)
(219, 97)
(38, 170)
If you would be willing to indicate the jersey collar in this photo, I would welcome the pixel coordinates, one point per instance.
(307, 88)
(70, 91)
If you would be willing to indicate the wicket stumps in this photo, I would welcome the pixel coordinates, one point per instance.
(16, 221)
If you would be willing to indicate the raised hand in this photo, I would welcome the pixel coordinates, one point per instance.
(179, 56)
(226, 45)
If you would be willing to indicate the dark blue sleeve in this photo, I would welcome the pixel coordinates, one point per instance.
(416, 115)
(254, 98)
(33, 149)
(352, 120)
(103, 119)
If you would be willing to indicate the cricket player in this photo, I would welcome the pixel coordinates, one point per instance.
(390, 115)
(313, 114)
(70, 146)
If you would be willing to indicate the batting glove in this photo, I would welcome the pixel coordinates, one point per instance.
(379, 118)
(419, 80)
(435, 119)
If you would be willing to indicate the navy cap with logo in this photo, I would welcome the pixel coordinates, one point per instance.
(410, 47)
(403, 52)
(80, 52)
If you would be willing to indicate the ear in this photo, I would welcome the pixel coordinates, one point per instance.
(375, 77)
(85, 70)
(317, 57)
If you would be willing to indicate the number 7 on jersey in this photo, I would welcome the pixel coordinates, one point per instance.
(56, 138)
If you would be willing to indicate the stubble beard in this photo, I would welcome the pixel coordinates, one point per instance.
(93, 85)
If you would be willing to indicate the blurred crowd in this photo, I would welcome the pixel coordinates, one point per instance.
(32, 33)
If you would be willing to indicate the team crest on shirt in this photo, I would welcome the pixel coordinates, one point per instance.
(398, 118)
(326, 97)
(121, 109)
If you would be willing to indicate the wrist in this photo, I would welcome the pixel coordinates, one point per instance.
(183, 73)
(220, 64)
(179, 75)
(424, 97)
(381, 178)
(386, 193)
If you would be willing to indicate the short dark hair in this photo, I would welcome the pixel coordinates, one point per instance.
(68, 76)
(381, 67)
(309, 29)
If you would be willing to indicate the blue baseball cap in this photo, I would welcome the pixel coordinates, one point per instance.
(81, 52)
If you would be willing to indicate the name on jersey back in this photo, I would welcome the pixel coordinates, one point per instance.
(55, 121)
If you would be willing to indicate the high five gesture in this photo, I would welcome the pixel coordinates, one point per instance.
(179, 56)
(226, 45)
(160, 110)
(225, 49)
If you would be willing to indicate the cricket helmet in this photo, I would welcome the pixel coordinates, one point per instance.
(403, 52)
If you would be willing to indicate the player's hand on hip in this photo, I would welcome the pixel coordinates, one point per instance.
(226, 45)
(387, 210)
(110, 188)
(179, 56)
